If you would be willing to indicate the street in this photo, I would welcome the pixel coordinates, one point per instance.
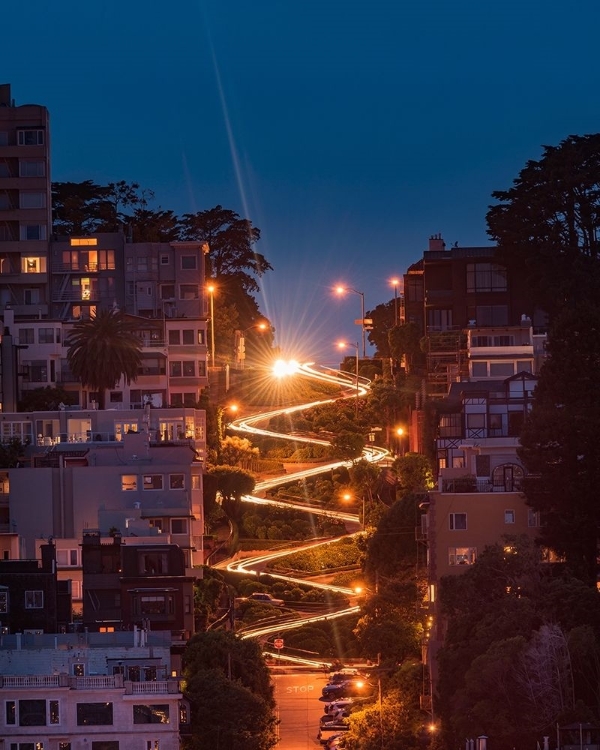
(299, 709)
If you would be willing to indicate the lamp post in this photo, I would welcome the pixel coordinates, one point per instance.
(394, 283)
(211, 290)
(341, 290)
(400, 434)
(343, 345)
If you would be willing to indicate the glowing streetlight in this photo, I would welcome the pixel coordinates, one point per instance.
(343, 345)
(348, 498)
(340, 290)
(211, 288)
(400, 434)
(394, 283)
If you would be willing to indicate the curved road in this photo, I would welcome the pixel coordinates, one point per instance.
(253, 565)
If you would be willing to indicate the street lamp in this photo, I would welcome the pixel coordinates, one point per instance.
(211, 288)
(400, 434)
(342, 290)
(343, 345)
(394, 283)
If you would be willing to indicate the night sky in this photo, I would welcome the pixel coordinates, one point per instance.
(348, 132)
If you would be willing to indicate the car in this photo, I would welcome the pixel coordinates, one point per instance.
(334, 706)
(338, 717)
(327, 736)
(265, 598)
(348, 688)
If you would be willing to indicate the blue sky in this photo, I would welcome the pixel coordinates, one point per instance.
(348, 132)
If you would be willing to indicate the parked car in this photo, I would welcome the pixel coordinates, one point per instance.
(334, 706)
(348, 688)
(327, 736)
(337, 717)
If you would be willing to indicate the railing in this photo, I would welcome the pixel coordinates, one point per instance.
(471, 484)
(92, 682)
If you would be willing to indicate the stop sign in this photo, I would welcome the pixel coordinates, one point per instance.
(278, 642)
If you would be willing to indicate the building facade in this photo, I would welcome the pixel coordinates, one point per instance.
(90, 691)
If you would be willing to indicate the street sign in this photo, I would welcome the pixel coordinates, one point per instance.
(278, 643)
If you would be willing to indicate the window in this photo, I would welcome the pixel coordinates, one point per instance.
(450, 425)
(32, 713)
(11, 712)
(503, 340)
(67, 557)
(189, 369)
(154, 604)
(461, 555)
(30, 137)
(175, 369)
(491, 315)
(174, 337)
(201, 337)
(153, 481)
(188, 337)
(481, 341)
(177, 399)
(3, 602)
(509, 516)
(34, 600)
(458, 521)
(116, 397)
(32, 168)
(495, 425)
(475, 425)
(189, 263)
(156, 523)
(153, 563)
(31, 296)
(502, 369)
(26, 336)
(167, 291)
(79, 670)
(176, 481)
(201, 369)
(486, 277)
(95, 714)
(33, 265)
(38, 371)
(479, 369)
(32, 232)
(439, 320)
(142, 264)
(156, 713)
(65, 745)
(482, 466)
(54, 712)
(533, 518)
(46, 336)
(188, 291)
(32, 199)
(179, 526)
(524, 365)
(164, 260)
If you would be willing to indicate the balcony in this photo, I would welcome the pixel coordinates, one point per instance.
(469, 483)
(98, 682)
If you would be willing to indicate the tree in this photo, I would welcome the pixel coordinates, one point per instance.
(414, 472)
(230, 240)
(383, 322)
(547, 225)
(237, 450)
(348, 445)
(78, 207)
(559, 441)
(405, 343)
(230, 693)
(103, 349)
(153, 226)
(232, 484)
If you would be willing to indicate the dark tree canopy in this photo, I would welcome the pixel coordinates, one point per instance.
(559, 442)
(547, 224)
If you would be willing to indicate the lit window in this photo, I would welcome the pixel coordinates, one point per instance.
(128, 482)
(83, 241)
(462, 555)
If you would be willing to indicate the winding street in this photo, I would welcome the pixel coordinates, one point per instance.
(254, 565)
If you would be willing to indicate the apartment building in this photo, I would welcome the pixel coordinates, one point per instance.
(25, 205)
(90, 691)
(99, 469)
(451, 290)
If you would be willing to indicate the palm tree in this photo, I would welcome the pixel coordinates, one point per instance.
(102, 350)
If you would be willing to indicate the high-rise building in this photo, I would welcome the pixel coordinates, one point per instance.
(25, 205)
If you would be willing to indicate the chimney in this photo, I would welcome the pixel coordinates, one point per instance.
(436, 242)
